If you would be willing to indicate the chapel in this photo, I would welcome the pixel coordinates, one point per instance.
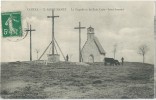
(92, 50)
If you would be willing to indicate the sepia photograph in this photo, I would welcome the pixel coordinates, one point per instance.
(78, 49)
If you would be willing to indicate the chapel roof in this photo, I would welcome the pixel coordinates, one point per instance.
(99, 46)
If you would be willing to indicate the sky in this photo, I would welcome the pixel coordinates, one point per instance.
(126, 24)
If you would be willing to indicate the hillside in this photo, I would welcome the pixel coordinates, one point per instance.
(76, 80)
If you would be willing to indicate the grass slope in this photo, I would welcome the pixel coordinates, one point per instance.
(73, 80)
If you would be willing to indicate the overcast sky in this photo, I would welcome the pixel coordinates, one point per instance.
(128, 24)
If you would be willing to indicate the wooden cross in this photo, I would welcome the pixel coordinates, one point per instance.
(53, 44)
(29, 30)
(79, 27)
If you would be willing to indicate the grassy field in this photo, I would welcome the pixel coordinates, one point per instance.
(77, 80)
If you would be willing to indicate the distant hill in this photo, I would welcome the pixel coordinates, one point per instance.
(76, 80)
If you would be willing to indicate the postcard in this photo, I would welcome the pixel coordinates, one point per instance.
(78, 49)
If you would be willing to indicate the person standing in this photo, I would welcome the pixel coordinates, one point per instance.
(122, 60)
(67, 57)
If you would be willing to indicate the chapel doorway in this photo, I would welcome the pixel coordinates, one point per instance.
(91, 59)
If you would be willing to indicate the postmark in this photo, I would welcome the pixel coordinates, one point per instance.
(11, 24)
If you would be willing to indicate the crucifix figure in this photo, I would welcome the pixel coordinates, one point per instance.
(53, 17)
(30, 42)
(79, 27)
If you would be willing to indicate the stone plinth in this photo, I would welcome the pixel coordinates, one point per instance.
(53, 58)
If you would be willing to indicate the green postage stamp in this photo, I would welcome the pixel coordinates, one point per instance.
(11, 24)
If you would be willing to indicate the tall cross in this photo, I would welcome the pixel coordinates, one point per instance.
(79, 27)
(155, 19)
(53, 17)
(30, 30)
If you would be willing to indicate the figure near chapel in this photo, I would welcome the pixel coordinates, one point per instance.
(122, 61)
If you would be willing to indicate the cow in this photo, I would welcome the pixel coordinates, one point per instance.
(111, 61)
(116, 62)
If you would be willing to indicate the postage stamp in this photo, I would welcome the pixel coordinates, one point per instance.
(11, 24)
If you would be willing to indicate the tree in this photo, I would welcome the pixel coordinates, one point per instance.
(115, 50)
(142, 50)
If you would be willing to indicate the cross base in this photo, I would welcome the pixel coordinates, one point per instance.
(53, 58)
